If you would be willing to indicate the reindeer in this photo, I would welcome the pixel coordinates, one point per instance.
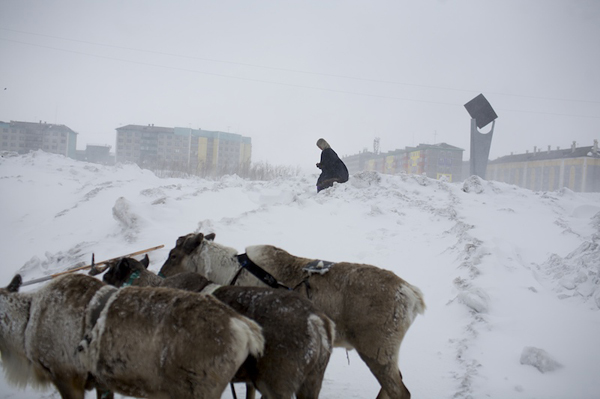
(166, 343)
(372, 308)
(298, 337)
(77, 332)
(39, 332)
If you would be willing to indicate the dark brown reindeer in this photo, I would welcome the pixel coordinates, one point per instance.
(298, 337)
(134, 341)
(39, 332)
(372, 308)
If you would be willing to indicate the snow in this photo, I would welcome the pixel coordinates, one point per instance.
(511, 277)
(539, 358)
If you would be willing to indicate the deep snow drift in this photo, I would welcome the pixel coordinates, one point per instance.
(511, 277)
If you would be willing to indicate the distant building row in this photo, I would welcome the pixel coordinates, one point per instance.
(205, 152)
(190, 150)
(23, 137)
(576, 168)
(433, 160)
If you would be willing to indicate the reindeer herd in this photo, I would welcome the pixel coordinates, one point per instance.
(211, 317)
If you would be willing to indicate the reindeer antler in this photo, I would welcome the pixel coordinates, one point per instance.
(94, 270)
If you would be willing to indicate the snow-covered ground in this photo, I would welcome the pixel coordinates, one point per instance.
(511, 277)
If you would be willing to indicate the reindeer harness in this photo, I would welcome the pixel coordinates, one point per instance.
(257, 271)
(134, 276)
(314, 267)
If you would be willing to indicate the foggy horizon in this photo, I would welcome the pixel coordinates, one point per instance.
(287, 74)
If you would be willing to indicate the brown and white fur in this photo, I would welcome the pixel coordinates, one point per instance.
(40, 331)
(298, 336)
(166, 343)
(372, 308)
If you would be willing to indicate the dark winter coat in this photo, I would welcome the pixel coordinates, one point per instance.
(332, 168)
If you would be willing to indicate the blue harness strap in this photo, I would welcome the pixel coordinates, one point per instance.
(134, 276)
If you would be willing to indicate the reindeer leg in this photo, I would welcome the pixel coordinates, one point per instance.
(250, 391)
(389, 377)
(309, 391)
(102, 393)
(68, 390)
(311, 386)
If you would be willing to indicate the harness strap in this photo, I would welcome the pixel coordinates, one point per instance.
(237, 274)
(257, 271)
(134, 276)
(306, 285)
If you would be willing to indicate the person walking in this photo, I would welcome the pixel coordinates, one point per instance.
(332, 167)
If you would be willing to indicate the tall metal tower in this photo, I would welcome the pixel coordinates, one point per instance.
(482, 114)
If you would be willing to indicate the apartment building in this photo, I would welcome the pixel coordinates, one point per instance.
(23, 137)
(433, 160)
(96, 154)
(192, 150)
(576, 168)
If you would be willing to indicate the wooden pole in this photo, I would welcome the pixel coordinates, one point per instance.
(39, 280)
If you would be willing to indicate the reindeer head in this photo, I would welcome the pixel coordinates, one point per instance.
(120, 271)
(15, 284)
(200, 254)
(185, 248)
(11, 311)
(14, 317)
(6, 297)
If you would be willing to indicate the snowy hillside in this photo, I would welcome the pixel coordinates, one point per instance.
(511, 277)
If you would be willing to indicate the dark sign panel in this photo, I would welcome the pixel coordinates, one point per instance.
(480, 109)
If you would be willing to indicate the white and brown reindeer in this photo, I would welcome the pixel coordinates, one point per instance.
(39, 332)
(298, 336)
(372, 308)
(141, 342)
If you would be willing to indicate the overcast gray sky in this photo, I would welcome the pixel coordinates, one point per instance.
(288, 72)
